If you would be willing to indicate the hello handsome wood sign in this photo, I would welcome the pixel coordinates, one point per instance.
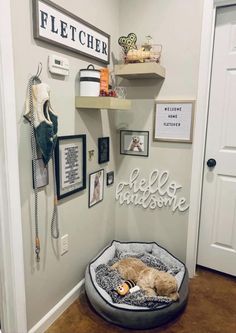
(157, 191)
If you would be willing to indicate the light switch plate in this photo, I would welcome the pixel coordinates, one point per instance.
(64, 244)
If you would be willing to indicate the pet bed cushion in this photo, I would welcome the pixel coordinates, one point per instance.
(149, 314)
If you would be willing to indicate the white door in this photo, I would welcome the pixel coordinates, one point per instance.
(217, 238)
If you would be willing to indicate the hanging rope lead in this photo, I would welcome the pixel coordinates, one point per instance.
(34, 79)
(54, 223)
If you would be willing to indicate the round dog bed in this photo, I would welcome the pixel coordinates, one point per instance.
(133, 316)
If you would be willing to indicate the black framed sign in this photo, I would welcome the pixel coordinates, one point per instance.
(103, 150)
(70, 164)
(58, 26)
(134, 142)
(96, 187)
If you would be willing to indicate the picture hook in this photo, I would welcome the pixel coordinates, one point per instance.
(39, 70)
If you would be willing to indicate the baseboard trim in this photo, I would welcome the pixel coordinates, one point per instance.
(58, 309)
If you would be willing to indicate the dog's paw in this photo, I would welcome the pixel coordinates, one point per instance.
(150, 292)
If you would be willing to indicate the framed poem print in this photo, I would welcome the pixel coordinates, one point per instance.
(173, 121)
(110, 178)
(103, 150)
(70, 164)
(96, 187)
(134, 142)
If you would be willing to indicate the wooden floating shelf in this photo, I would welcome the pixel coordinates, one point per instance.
(148, 70)
(113, 103)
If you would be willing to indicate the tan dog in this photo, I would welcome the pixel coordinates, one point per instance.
(151, 280)
(135, 144)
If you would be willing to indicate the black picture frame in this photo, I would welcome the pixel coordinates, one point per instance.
(103, 150)
(96, 187)
(110, 178)
(134, 143)
(70, 162)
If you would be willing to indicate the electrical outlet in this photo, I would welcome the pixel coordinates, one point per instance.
(64, 244)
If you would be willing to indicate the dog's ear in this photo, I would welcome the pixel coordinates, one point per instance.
(174, 296)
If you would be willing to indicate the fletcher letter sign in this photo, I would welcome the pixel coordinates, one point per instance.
(57, 26)
(155, 192)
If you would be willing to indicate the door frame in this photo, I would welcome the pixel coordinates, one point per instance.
(200, 130)
(12, 286)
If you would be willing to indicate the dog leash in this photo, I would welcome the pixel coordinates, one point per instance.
(54, 221)
(34, 80)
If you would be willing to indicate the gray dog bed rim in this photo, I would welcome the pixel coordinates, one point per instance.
(142, 318)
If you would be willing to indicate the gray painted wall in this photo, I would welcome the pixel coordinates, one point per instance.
(177, 26)
(89, 229)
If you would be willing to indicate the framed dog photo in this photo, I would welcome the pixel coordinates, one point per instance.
(96, 187)
(103, 150)
(70, 159)
(134, 143)
(110, 178)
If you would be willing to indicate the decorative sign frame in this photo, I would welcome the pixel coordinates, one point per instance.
(103, 150)
(70, 160)
(134, 143)
(96, 187)
(57, 26)
(173, 121)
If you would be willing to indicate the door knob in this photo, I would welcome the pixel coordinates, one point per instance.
(211, 163)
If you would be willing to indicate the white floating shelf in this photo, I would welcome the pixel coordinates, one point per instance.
(113, 103)
(148, 70)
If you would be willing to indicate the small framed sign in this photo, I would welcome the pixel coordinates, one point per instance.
(173, 121)
(103, 150)
(134, 142)
(110, 178)
(70, 164)
(57, 26)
